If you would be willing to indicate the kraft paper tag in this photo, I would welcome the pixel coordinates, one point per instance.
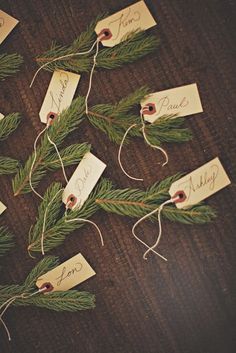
(83, 180)
(7, 23)
(201, 183)
(183, 101)
(2, 207)
(60, 93)
(117, 26)
(1, 116)
(67, 275)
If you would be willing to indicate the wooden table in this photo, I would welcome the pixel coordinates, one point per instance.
(186, 305)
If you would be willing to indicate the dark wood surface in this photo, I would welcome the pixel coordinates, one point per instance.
(186, 305)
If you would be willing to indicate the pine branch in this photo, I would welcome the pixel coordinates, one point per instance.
(8, 124)
(126, 202)
(9, 64)
(135, 46)
(114, 120)
(5, 240)
(68, 122)
(70, 155)
(56, 226)
(8, 165)
(71, 300)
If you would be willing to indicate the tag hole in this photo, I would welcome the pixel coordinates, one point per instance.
(150, 108)
(72, 199)
(106, 33)
(52, 116)
(181, 196)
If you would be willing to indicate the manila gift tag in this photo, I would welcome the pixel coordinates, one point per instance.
(7, 23)
(67, 275)
(2, 207)
(200, 184)
(59, 95)
(117, 26)
(83, 180)
(184, 100)
(1, 116)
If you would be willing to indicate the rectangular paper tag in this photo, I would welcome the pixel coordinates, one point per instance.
(132, 18)
(201, 183)
(1, 116)
(2, 207)
(7, 23)
(83, 180)
(67, 275)
(183, 101)
(60, 93)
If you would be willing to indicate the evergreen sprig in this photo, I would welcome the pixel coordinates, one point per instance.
(135, 46)
(46, 157)
(8, 165)
(9, 64)
(71, 300)
(126, 202)
(115, 119)
(5, 240)
(56, 226)
(8, 124)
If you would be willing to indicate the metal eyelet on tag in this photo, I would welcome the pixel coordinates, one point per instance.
(105, 34)
(149, 109)
(48, 287)
(51, 117)
(182, 196)
(71, 201)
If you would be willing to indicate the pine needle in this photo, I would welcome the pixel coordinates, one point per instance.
(46, 157)
(9, 64)
(8, 165)
(136, 45)
(8, 124)
(134, 203)
(71, 300)
(5, 240)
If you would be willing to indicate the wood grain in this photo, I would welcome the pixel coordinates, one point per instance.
(188, 304)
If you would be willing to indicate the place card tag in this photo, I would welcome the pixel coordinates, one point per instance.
(67, 275)
(2, 207)
(60, 93)
(7, 23)
(83, 180)
(1, 116)
(117, 26)
(183, 101)
(200, 184)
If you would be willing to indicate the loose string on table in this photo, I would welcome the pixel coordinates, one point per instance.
(142, 111)
(10, 301)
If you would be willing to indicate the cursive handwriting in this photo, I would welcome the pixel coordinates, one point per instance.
(123, 21)
(65, 274)
(57, 99)
(205, 180)
(81, 182)
(164, 104)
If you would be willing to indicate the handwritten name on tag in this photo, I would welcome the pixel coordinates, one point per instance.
(117, 26)
(67, 275)
(60, 93)
(2, 207)
(7, 23)
(1, 116)
(183, 101)
(201, 183)
(83, 180)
